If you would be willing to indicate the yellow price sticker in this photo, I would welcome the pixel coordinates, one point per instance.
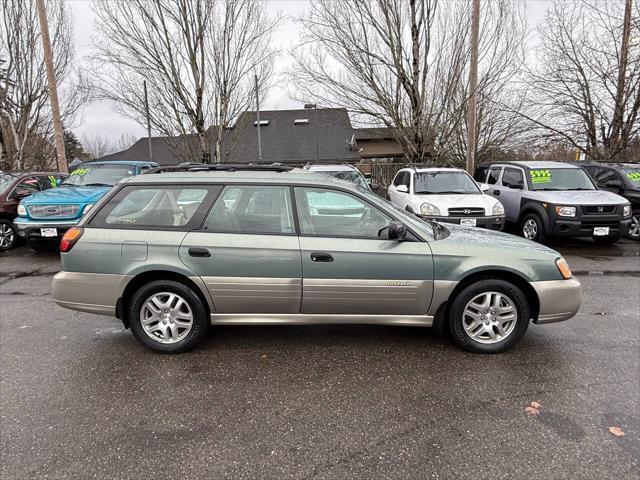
(540, 176)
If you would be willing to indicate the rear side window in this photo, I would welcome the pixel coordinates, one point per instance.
(152, 207)
(255, 209)
(494, 175)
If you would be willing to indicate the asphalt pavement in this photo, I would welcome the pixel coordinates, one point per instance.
(80, 398)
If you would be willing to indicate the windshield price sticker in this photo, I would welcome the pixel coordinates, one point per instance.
(540, 176)
(634, 176)
(80, 171)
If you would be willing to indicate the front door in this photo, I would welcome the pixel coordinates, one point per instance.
(513, 184)
(348, 269)
(248, 253)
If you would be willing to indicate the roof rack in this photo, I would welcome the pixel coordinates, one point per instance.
(221, 167)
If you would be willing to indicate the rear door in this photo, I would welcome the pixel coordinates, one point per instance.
(247, 252)
(348, 269)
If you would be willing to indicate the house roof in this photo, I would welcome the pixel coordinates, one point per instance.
(373, 133)
(287, 141)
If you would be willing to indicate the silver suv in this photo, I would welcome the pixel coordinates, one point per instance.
(173, 253)
(555, 199)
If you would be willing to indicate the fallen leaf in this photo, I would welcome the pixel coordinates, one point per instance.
(535, 404)
(617, 431)
(531, 410)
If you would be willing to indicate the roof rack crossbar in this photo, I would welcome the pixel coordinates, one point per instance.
(221, 167)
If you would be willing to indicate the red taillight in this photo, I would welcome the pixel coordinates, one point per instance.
(70, 238)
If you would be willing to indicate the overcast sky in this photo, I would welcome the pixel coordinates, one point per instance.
(99, 118)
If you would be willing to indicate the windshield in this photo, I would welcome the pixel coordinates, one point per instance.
(5, 181)
(105, 175)
(632, 174)
(426, 183)
(348, 175)
(560, 179)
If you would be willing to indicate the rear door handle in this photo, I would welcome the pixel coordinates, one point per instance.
(199, 252)
(321, 257)
(496, 192)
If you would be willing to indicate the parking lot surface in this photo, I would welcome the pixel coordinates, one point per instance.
(80, 398)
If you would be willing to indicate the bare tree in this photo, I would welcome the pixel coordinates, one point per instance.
(584, 87)
(125, 141)
(404, 64)
(196, 56)
(98, 145)
(25, 120)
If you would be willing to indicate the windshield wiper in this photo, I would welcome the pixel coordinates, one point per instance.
(579, 189)
(445, 192)
(96, 185)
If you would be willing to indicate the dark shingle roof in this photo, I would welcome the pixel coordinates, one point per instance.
(284, 141)
(373, 133)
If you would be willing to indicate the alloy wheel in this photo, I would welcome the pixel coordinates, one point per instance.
(634, 229)
(7, 236)
(530, 229)
(489, 317)
(166, 317)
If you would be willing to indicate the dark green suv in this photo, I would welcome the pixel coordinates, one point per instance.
(173, 253)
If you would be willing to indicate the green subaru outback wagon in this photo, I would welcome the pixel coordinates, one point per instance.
(172, 253)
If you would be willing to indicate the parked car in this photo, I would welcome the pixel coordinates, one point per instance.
(446, 195)
(45, 216)
(13, 188)
(623, 179)
(270, 245)
(344, 171)
(555, 199)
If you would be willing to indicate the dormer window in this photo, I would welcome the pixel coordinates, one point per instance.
(301, 121)
(263, 123)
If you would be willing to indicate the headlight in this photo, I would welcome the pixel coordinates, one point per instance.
(566, 211)
(498, 209)
(563, 266)
(428, 209)
(626, 211)
(22, 211)
(87, 208)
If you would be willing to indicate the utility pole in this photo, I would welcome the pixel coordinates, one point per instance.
(53, 91)
(618, 112)
(255, 77)
(146, 108)
(473, 86)
(314, 106)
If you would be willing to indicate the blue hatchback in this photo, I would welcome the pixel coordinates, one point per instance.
(44, 217)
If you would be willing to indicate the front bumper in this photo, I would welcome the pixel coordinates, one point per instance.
(493, 222)
(559, 299)
(32, 229)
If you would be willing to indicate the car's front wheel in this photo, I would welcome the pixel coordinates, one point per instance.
(168, 317)
(634, 228)
(489, 316)
(8, 236)
(532, 228)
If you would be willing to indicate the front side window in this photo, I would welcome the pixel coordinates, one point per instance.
(99, 175)
(153, 206)
(50, 181)
(560, 179)
(27, 186)
(252, 209)
(513, 178)
(443, 182)
(337, 214)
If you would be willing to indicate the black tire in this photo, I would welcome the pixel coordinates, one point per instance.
(44, 245)
(8, 235)
(634, 229)
(540, 235)
(457, 316)
(199, 328)
(607, 240)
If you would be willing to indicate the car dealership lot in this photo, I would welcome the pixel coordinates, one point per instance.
(80, 398)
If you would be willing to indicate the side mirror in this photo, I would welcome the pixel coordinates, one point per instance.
(397, 231)
(516, 186)
(484, 187)
(402, 189)
(613, 184)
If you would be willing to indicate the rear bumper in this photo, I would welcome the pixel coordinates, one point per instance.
(31, 229)
(493, 222)
(559, 299)
(88, 292)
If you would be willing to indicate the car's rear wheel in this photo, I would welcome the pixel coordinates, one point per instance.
(8, 236)
(168, 317)
(532, 228)
(634, 228)
(489, 316)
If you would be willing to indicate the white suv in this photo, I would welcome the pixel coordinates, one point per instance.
(446, 195)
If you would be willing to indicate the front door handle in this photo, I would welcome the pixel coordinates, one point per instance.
(199, 252)
(321, 257)
(496, 192)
